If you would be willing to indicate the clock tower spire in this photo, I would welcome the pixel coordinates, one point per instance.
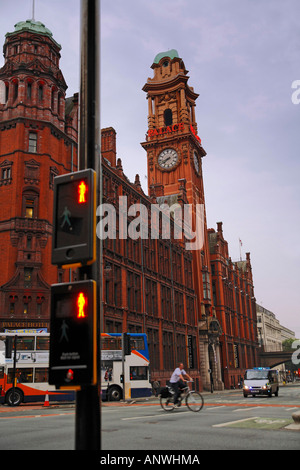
(173, 147)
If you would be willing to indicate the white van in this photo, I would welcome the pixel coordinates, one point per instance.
(261, 381)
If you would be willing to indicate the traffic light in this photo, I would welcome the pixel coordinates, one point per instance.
(126, 344)
(9, 347)
(74, 219)
(73, 334)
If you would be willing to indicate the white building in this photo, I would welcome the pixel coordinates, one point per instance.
(271, 333)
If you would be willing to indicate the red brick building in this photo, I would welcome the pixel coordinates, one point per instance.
(151, 285)
(234, 301)
(38, 140)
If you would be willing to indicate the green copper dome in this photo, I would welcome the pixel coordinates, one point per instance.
(34, 27)
(171, 54)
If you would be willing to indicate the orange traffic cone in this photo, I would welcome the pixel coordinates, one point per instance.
(46, 402)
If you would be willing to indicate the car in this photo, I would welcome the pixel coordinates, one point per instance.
(261, 381)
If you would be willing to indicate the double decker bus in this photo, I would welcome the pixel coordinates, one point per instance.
(24, 371)
(135, 367)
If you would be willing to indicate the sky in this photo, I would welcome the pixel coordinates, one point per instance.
(243, 58)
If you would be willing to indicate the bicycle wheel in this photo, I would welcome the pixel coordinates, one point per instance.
(167, 403)
(194, 401)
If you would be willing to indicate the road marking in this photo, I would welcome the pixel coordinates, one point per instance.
(291, 409)
(37, 416)
(153, 416)
(249, 408)
(242, 409)
(215, 408)
(222, 425)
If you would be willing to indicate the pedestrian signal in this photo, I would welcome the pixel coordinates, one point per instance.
(73, 334)
(74, 219)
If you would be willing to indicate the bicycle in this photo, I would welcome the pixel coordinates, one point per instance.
(193, 400)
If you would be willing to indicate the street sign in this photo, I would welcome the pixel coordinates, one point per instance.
(73, 334)
(74, 219)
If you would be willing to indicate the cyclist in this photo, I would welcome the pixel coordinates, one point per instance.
(177, 381)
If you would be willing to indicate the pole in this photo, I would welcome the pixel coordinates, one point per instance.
(88, 429)
(123, 365)
(14, 369)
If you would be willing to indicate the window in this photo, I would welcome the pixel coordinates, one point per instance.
(41, 374)
(139, 373)
(137, 343)
(27, 277)
(16, 90)
(32, 147)
(29, 208)
(6, 173)
(6, 92)
(29, 90)
(25, 343)
(41, 93)
(206, 285)
(42, 343)
(53, 99)
(11, 309)
(23, 375)
(30, 204)
(168, 117)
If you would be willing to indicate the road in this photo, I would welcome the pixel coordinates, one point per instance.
(228, 421)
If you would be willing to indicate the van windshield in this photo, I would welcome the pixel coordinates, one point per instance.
(256, 374)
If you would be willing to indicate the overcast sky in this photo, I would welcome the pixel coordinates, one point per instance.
(242, 57)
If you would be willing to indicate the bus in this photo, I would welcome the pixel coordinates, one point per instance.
(136, 367)
(28, 381)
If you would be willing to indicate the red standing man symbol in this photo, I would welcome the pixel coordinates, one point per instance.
(81, 301)
(82, 188)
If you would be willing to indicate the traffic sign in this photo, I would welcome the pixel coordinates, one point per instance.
(73, 334)
(74, 219)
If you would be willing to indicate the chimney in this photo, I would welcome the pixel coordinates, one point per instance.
(220, 225)
(108, 145)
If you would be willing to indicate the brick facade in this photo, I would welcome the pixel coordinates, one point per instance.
(37, 142)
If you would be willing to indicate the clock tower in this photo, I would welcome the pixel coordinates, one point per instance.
(174, 161)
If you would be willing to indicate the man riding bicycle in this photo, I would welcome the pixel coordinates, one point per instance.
(177, 381)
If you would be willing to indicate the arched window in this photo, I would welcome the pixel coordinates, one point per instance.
(29, 89)
(6, 92)
(53, 98)
(168, 117)
(40, 92)
(15, 89)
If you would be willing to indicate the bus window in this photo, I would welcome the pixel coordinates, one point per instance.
(41, 374)
(137, 343)
(1, 372)
(109, 343)
(138, 373)
(42, 343)
(23, 375)
(25, 343)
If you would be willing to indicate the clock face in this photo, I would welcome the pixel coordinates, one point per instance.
(167, 158)
(196, 162)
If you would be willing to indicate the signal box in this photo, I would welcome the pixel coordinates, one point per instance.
(74, 219)
(73, 333)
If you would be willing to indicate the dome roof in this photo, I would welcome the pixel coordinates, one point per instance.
(35, 27)
(171, 54)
